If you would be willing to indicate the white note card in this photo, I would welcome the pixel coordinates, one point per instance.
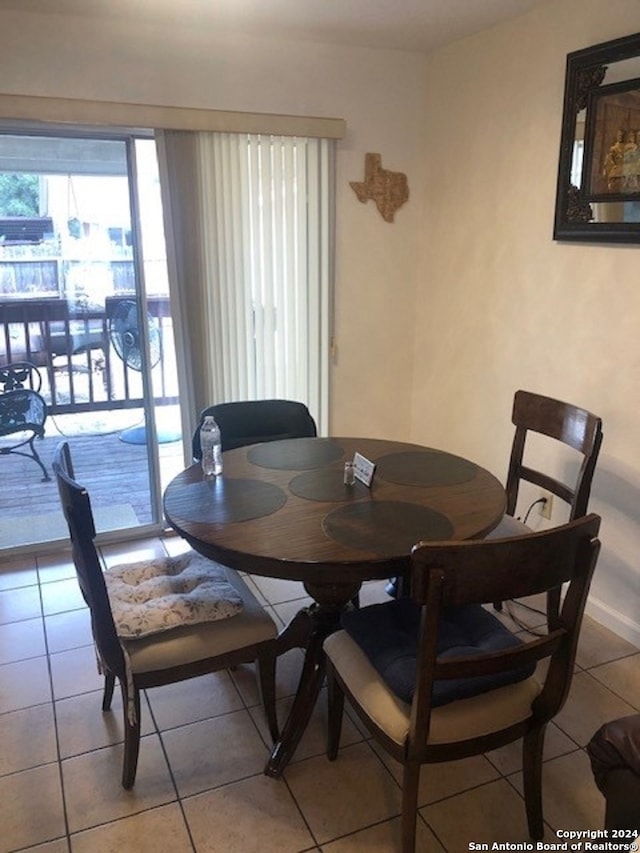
(364, 469)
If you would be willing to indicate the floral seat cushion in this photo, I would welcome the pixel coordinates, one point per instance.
(156, 595)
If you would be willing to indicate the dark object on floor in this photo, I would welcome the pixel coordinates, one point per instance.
(614, 751)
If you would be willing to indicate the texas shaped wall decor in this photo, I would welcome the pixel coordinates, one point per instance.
(388, 189)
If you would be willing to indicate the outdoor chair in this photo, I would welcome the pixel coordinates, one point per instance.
(23, 411)
(252, 421)
(162, 621)
(437, 677)
(563, 422)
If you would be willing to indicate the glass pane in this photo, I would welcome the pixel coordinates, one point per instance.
(164, 380)
(69, 305)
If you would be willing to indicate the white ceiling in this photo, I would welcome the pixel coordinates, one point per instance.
(420, 25)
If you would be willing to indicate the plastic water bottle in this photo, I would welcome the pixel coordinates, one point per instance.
(211, 447)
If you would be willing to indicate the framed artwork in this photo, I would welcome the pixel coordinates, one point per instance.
(598, 186)
(611, 169)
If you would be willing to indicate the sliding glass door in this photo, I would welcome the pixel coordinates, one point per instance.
(84, 298)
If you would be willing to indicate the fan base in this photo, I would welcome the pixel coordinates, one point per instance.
(138, 435)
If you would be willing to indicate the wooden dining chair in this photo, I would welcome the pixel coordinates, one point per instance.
(437, 676)
(252, 421)
(571, 425)
(563, 422)
(162, 621)
(575, 427)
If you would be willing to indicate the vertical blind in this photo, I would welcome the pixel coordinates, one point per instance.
(249, 230)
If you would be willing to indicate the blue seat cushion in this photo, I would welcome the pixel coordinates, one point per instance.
(388, 635)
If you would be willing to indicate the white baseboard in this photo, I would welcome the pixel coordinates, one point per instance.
(615, 621)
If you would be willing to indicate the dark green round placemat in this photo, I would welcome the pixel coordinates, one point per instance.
(293, 454)
(425, 468)
(326, 484)
(390, 528)
(221, 500)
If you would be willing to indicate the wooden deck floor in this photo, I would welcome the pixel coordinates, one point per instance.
(114, 472)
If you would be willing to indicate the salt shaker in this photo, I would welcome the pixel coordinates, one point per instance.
(349, 474)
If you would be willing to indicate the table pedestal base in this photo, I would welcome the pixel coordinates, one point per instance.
(308, 629)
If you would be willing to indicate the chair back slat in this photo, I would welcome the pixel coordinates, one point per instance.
(76, 507)
(503, 660)
(565, 422)
(508, 568)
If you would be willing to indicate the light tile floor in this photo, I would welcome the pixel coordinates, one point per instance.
(200, 785)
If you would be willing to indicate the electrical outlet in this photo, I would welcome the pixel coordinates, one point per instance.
(547, 507)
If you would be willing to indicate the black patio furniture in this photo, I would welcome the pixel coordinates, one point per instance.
(23, 412)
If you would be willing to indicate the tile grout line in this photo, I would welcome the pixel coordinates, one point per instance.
(65, 813)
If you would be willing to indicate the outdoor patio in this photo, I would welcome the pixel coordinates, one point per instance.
(114, 471)
(91, 382)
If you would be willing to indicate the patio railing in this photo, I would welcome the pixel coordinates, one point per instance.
(72, 345)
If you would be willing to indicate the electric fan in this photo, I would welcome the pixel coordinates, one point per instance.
(126, 338)
(125, 335)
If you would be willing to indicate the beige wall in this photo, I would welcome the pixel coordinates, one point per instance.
(441, 316)
(379, 93)
(501, 306)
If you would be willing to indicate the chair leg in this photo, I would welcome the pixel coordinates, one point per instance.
(131, 736)
(335, 703)
(34, 455)
(107, 696)
(532, 748)
(410, 781)
(266, 666)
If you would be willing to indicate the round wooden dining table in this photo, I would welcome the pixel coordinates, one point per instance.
(282, 509)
